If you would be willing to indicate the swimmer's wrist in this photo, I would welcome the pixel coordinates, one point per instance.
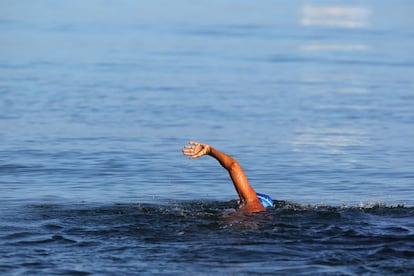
(209, 148)
(211, 151)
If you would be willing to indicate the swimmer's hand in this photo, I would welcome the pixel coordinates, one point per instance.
(195, 150)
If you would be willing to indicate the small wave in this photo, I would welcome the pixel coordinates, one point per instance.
(199, 209)
(9, 168)
(52, 239)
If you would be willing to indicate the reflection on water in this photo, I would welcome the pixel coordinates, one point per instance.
(339, 83)
(331, 140)
(335, 16)
(335, 47)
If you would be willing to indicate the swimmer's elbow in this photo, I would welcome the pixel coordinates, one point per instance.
(234, 167)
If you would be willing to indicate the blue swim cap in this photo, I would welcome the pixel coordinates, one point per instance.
(265, 200)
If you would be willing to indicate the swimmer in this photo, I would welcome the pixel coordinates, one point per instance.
(250, 201)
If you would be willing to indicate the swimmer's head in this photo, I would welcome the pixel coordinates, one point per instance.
(265, 200)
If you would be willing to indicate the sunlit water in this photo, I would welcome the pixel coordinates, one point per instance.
(314, 98)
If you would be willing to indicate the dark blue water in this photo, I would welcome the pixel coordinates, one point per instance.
(184, 237)
(314, 98)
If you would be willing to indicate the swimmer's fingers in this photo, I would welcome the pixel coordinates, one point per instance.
(192, 152)
(200, 150)
(198, 154)
(195, 144)
(189, 150)
(195, 150)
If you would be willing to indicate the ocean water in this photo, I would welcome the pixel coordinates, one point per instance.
(314, 98)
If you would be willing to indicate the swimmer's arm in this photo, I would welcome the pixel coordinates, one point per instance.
(246, 193)
(196, 150)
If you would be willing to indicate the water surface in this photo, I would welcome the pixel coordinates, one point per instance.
(314, 98)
